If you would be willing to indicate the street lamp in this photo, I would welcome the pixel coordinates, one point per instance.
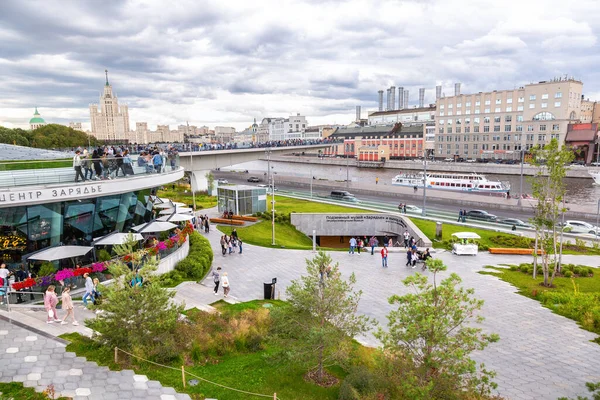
(521, 179)
(272, 210)
(347, 172)
(424, 211)
(597, 220)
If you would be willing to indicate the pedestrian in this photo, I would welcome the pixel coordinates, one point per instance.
(359, 244)
(408, 257)
(67, 305)
(385, 240)
(77, 167)
(216, 279)
(50, 302)
(384, 257)
(391, 243)
(508, 194)
(352, 245)
(372, 243)
(240, 245)
(20, 276)
(464, 217)
(89, 289)
(460, 214)
(376, 180)
(415, 188)
(225, 284)
(234, 233)
(4, 274)
(96, 295)
(404, 208)
(206, 224)
(223, 245)
(406, 235)
(413, 258)
(230, 244)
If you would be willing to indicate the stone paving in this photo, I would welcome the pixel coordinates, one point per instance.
(540, 355)
(37, 361)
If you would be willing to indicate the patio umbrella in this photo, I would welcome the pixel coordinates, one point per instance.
(154, 226)
(60, 253)
(116, 238)
(178, 210)
(176, 217)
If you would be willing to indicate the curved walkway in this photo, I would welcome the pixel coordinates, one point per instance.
(540, 355)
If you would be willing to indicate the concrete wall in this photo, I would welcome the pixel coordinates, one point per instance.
(168, 263)
(333, 224)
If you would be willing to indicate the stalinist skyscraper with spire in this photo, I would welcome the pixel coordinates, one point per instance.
(111, 122)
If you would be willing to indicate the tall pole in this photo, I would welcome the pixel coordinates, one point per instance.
(347, 173)
(598, 220)
(424, 211)
(562, 225)
(521, 180)
(311, 182)
(268, 166)
(272, 210)
(191, 184)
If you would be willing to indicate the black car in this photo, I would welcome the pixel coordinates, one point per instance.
(253, 179)
(481, 215)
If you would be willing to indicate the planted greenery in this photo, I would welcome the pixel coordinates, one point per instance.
(181, 192)
(16, 390)
(195, 266)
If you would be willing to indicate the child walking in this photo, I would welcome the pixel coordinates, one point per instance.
(67, 303)
(50, 302)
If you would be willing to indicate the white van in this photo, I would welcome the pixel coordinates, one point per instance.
(343, 195)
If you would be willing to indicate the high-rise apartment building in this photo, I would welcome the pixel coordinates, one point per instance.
(500, 123)
(111, 122)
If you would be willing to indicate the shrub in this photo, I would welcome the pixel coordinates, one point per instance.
(103, 255)
(568, 274)
(530, 270)
(590, 271)
(514, 267)
(577, 271)
(47, 268)
(198, 262)
(359, 383)
(524, 268)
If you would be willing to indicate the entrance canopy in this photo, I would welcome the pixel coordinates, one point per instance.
(116, 238)
(176, 217)
(155, 226)
(60, 253)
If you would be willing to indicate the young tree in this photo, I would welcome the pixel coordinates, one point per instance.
(430, 337)
(139, 315)
(321, 319)
(549, 189)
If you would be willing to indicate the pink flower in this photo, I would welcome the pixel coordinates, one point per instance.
(161, 246)
(98, 267)
(63, 274)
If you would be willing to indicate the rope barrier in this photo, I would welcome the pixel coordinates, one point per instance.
(196, 376)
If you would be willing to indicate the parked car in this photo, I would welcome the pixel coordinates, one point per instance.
(580, 227)
(343, 195)
(471, 160)
(515, 222)
(253, 179)
(413, 209)
(448, 159)
(481, 215)
(223, 181)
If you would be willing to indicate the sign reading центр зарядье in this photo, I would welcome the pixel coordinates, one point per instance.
(40, 195)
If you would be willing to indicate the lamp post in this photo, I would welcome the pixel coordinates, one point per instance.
(598, 220)
(311, 182)
(272, 209)
(347, 172)
(521, 180)
(424, 211)
(191, 184)
(562, 229)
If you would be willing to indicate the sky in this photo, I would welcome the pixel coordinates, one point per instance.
(228, 62)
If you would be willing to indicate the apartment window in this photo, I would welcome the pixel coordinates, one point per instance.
(508, 109)
(557, 104)
(519, 118)
(468, 104)
(519, 128)
(449, 129)
(457, 147)
(507, 128)
(519, 108)
(555, 127)
(496, 128)
(441, 113)
(496, 138)
(449, 147)
(508, 118)
(541, 138)
(542, 127)
(521, 99)
(476, 129)
(467, 111)
(458, 112)
(529, 128)
(532, 97)
(555, 136)
(475, 146)
(466, 138)
(441, 106)
(497, 109)
(458, 105)
(441, 121)
(498, 101)
(466, 147)
(441, 130)
(449, 113)
(457, 121)
(467, 129)
(477, 111)
(476, 138)
(545, 96)
(467, 121)
(485, 146)
(487, 102)
(507, 138)
(477, 103)
(450, 106)
(531, 105)
(440, 148)
(530, 138)
(486, 138)
(518, 137)
(458, 129)
(509, 101)
(297, 126)
(496, 119)
(544, 105)
(558, 95)
(476, 120)
(449, 122)
(486, 128)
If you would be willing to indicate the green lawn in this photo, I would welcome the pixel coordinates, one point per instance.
(236, 308)
(182, 193)
(34, 164)
(16, 391)
(286, 235)
(258, 372)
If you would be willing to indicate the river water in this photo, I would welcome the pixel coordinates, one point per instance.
(579, 191)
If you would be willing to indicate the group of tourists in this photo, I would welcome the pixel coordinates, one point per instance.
(357, 243)
(223, 280)
(92, 292)
(230, 243)
(201, 223)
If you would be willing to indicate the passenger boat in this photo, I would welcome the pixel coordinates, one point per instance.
(452, 181)
(596, 176)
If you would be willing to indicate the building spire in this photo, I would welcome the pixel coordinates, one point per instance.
(106, 72)
(36, 112)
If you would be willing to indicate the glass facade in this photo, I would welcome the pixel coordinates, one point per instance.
(242, 200)
(26, 229)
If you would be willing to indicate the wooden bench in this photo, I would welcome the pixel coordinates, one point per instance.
(245, 218)
(226, 221)
(503, 250)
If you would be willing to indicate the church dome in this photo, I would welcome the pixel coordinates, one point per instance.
(37, 119)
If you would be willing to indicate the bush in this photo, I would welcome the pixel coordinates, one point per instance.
(359, 383)
(47, 268)
(577, 271)
(514, 268)
(530, 270)
(511, 241)
(568, 274)
(524, 268)
(590, 271)
(103, 255)
(198, 262)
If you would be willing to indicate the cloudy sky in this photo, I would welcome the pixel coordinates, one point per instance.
(227, 62)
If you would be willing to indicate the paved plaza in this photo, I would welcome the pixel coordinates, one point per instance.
(540, 355)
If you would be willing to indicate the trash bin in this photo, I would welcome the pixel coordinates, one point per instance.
(269, 289)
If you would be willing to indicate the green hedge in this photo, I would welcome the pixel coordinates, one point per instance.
(195, 266)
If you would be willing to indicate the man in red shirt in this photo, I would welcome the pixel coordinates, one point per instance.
(384, 256)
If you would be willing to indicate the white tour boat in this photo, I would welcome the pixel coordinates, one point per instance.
(452, 181)
(596, 176)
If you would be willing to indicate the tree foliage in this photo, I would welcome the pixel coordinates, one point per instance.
(549, 189)
(51, 136)
(323, 313)
(593, 388)
(138, 319)
(430, 336)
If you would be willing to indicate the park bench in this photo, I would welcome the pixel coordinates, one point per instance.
(245, 218)
(503, 250)
(226, 221)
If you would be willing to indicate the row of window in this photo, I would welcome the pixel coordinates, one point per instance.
(498, 109)
(476, 148)
(532, 97)
(486, 128)
(496, 138)
(543, 116)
